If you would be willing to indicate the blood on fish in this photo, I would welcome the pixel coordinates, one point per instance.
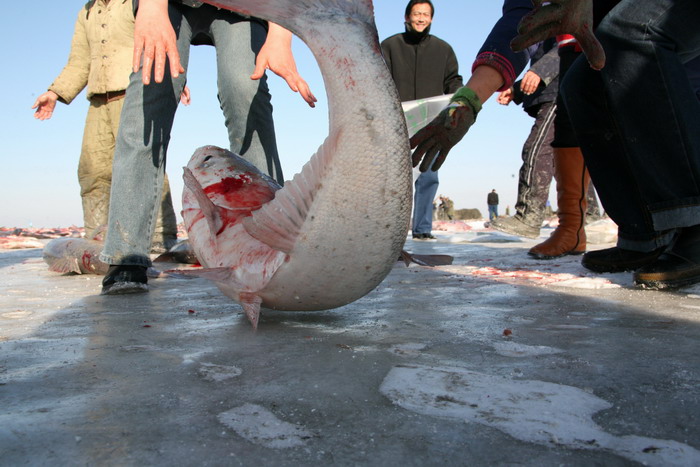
(240, 191)
(87, 259)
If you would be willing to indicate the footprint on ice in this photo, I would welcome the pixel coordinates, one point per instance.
(531, 411)
(260, 426)
(513, 349)
(218, 373)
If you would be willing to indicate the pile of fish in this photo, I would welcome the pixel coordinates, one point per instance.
(14, 238)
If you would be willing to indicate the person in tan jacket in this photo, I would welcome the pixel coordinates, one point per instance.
(100, 59)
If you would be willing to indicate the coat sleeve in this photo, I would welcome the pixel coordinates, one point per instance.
(496, 51)
(547, 67)
(74, 76)
(453, 80)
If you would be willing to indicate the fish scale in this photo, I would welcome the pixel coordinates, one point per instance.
(349, 209)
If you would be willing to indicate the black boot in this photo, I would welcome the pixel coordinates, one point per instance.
(677, 267)
(125, 279)
(618, 259)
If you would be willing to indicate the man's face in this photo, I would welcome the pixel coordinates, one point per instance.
(420, 17)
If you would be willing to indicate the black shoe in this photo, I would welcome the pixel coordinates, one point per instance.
(125, 280)
(618, 260)
(424, 236)
(677, 267)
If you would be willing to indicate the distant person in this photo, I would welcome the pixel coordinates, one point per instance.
(447, 208)
(100, 58)
(422, 66)
(492, 202)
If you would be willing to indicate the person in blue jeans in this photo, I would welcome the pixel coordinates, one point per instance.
(492, 203)
(638, 122)
(422, 65)
(165, 30)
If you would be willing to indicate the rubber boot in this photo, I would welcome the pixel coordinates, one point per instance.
(569, 238)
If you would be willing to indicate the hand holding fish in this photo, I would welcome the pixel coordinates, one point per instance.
(276, 55)
(435, 141)
(44, 105)
(573, 17)
(155, 40)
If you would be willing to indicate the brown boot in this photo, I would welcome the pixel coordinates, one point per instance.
(572, 178)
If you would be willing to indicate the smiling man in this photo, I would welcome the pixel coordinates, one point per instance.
(422, 65)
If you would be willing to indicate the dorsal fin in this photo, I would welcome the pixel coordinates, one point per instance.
(279, 222)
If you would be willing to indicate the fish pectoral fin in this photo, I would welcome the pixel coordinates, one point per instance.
(210, 210)
(65, 266)
(251, 306)
(278, 223)
(426, 260)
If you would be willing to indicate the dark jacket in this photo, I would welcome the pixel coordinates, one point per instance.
(544, 63)
(492, 199)
(421, 67)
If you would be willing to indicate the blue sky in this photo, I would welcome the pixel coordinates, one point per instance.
(38, 181)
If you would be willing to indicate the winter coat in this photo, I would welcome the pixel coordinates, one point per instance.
(101, 51)
(421, 67)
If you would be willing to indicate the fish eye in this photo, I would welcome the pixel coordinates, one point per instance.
(207, 158)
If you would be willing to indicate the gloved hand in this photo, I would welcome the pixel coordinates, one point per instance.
(573, 17)
(435, 140)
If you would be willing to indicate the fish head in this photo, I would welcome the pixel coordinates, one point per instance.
(229, 180)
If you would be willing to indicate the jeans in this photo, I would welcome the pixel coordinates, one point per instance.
(638, 120)
(426, 189)
(493, 211)
(147, 119)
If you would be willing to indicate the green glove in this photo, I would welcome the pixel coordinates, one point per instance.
(434, 142)
(573, 17)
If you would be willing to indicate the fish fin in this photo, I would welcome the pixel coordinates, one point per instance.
(251, 306)
(65, 266)
(210, 211)
(278, 223)
(248, 300)
(426, 260)
(223, 274)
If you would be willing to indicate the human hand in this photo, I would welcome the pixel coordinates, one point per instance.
(505, 97)
(155, 40)
(573, 17)
(44, 105)
(276, 55)
(185, 98)
(438, 137)
(530, 82)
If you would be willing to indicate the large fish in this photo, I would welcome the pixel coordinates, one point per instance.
(74, 255)
(78, 256)
(333, 233)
